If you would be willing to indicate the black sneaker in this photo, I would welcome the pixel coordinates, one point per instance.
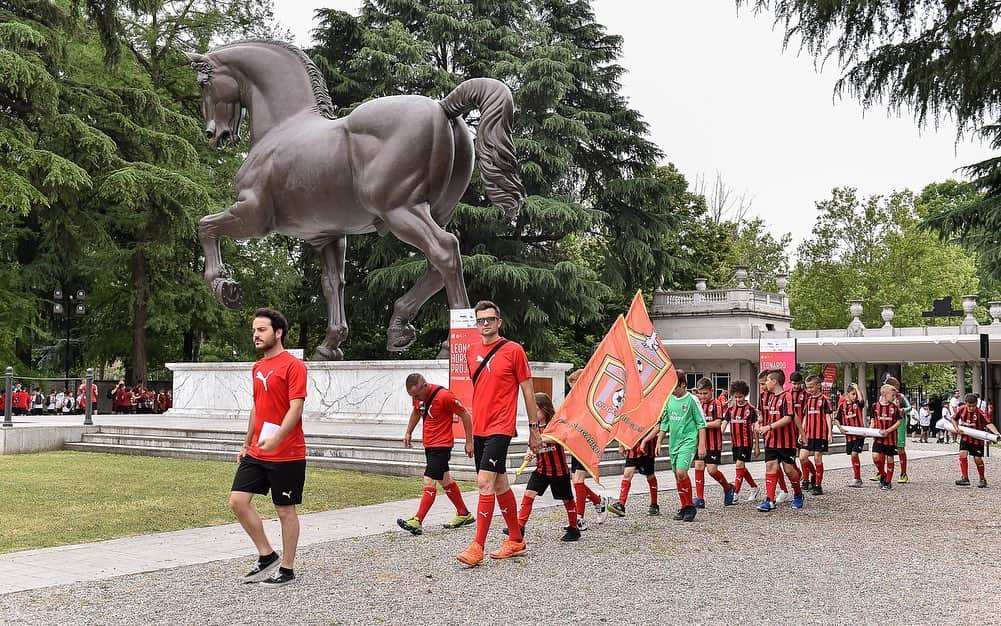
(963, 482)
(507, 532)
(263, 567)
(680, 515)
(618, 508)
(817, 490)
(689, 513)
(572, 535)
(654, 509)
(280, 578)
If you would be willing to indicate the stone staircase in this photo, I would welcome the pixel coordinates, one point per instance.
(374, 453)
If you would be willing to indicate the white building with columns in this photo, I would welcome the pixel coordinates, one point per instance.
(715, 333)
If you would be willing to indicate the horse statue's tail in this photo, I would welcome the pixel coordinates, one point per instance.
(494, 145)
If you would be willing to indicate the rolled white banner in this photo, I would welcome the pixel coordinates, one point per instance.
(859, 431)
(983, 435)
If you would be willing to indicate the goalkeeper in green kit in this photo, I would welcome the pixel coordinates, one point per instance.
(685, 426)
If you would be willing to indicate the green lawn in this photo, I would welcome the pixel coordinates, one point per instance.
(59, 498)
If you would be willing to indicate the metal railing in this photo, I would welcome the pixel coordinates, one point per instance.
(88, 412)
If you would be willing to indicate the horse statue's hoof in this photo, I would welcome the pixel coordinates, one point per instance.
(227, 292)
(399, 338)
(324, 353)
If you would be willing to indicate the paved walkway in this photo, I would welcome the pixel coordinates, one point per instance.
(32, 569)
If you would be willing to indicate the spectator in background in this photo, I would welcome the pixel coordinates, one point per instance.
(51, 409)
(134, 398)
(161, 401)
(935, 406)
(122, 398)
(170, 399)
(37, 402)
(924, 418)
(68, 401)
(21, 400)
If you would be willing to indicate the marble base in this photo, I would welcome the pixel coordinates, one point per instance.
(337, 391)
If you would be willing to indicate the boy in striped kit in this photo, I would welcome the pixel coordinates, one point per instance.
(779, 426)
(816, 431)
(764, 397)
(640, 458)
(797, 391)
(971, 416)
(742, 417)
(713, 413)
(849, 413)
(886, 416)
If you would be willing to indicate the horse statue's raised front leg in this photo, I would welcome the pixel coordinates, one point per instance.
(332, 258)
(240, 221)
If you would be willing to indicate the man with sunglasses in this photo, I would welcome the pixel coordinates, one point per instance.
(499, 369)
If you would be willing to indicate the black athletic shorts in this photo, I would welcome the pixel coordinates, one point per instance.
(782, 455)
(437, 462)
(560, 485)
(575, 465)
(742, 453)
(490, 453)
(712, 457)
(643, 464)
(975, 449)
(888, 449)
(817, 445)
(284, 478)
(854, 445)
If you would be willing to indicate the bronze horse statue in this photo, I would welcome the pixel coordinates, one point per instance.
(396, 165)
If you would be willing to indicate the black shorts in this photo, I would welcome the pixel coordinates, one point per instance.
(817, 445)
(643, 464)
(712, 457)
(437, 462)
(854, 445)
(490, 453)
(782, 455)
(888, 449)
(575, 465)
(284, 478)
(560, 485)
(742, 453)
(975, 449)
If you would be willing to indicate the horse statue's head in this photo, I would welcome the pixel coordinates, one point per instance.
(221, 105)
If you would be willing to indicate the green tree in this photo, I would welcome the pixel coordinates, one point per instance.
(933, 58)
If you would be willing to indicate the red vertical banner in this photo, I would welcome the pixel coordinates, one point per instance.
(829, 376)
(462, 333)
(777, 353)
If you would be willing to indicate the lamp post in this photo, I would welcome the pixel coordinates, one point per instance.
(66, 304)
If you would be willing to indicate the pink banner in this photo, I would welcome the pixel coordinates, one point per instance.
(777, 354)
(462, 333)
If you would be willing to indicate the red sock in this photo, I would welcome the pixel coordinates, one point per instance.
(509, 509)
(738, 480)
(797, 484)
(749, 478)
(685, 491)
(880, 467)
(571, 513)
(980, 468)
(624, 491)
(453, 493)
(903, 462)
(782, 480)
(484, 513)
(526, 510)
(808, 469)
(579, 498)
(889, 469)
(427, 499)
(857, 467)
(700, 484)
(721, 479)
(964, 466)
(591, 496)
(770, 480)
(651, 481)
(819, 473)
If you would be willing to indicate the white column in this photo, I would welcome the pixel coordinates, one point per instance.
(861, 369)
(847, 377)
(961, 378)
(978, 379)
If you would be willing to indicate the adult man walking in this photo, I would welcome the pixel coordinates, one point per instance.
(273, 456)
(498, 368)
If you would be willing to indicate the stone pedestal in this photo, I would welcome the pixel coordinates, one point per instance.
(337, 391)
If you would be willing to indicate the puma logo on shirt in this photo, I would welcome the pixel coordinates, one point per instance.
(264, 379)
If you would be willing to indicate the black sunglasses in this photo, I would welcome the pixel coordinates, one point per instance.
(483, 321)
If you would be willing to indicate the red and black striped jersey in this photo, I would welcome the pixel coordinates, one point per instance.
(816, 410)
(850, 414)
(551, 460)
(741, 418)
(780, 405)
(884, 416)
(799, 401)
(714, 436)
(763, 397)
(650, 449)
(973, 418)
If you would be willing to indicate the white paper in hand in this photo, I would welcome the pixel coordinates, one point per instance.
(268, 430)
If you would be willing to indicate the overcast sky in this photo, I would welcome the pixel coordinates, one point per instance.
(720, 95)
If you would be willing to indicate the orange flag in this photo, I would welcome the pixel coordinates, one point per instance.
(656, 374)
(583, 424)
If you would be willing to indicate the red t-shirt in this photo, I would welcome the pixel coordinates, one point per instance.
(495, 392)
(849, 414)
(742, 418)
(714, 436)
(815, 412)
(883, 416)
(278, 381)
(975, 419)
(123, 397)
(438, 417)
(21, 400)
(779, 406)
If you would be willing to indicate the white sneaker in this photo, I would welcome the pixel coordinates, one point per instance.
(581, 524)
(754, 494)
(601, 509)
(782, 497)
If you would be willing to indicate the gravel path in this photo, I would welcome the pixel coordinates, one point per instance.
(852, 554)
